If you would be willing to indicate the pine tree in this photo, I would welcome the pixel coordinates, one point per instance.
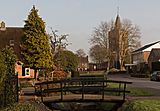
(36, 50)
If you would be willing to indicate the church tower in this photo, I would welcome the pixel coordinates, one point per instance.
(114, 40)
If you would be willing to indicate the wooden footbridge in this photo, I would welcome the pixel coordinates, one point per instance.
(82, 89)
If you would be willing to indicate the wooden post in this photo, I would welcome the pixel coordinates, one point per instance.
(35, 74)
(65, 88)
(47, 90)
(119, 89)
(103, 91)
(82, 90)
(61, 90)
(41, 92)
(124, 91)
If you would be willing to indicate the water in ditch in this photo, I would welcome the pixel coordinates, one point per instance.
(85, 106)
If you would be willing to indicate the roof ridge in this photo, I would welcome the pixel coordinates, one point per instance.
(14, 27)
(146, 46)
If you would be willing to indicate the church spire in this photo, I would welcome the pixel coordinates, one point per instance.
(117, 22)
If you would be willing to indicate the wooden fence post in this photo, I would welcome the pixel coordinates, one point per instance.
(124, 91)
(61, 90)
(41, 93)
(82, 90)
(103, 91)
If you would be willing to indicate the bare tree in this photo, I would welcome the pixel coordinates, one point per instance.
(58, 42)
(130, 40)
(99, 42)
(133, 32)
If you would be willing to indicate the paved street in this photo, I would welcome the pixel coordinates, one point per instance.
(137, 82)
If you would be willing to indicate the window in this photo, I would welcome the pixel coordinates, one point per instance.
(11, 42)
(27, 71)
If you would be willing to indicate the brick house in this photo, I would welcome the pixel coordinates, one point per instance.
(83, 64)
(154, 60)
(11, 36)
(140, 56)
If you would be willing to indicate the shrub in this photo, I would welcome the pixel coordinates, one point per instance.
(20, 107)
(3, 69)
(57, 75)
(7, 75)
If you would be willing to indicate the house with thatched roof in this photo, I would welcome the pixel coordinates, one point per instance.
(12, 36)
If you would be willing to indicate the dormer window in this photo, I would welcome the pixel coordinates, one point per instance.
(11, 42)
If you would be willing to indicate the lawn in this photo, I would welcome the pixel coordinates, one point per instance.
(133, 91)
(92, 74)
(139, 92)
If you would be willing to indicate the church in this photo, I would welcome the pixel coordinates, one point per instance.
(118, 42)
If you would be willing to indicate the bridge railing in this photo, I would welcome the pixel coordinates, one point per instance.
(82, 85)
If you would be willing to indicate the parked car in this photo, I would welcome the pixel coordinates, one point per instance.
(155, 76)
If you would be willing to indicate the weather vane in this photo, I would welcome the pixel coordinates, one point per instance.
(117, 7)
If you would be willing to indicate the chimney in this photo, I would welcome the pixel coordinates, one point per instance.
(2, 26)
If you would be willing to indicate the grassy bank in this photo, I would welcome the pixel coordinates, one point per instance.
(26, 106)
(141, 105)
(20, 107)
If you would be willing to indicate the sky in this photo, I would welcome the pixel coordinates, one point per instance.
(78, 18)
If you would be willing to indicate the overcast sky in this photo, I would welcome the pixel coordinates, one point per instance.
(79, 17)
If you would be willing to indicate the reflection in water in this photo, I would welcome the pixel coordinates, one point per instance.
(88, 106)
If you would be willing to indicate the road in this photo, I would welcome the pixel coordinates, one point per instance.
(137, 82)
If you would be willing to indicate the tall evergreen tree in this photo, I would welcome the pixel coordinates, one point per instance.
(36, 50)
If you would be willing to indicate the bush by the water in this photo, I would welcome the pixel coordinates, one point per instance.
(141, 105)
(20, 107)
